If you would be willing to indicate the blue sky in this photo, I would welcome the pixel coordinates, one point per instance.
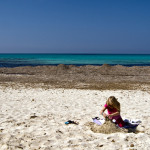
(75, 26)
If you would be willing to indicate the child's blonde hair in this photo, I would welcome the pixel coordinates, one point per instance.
(112, 101)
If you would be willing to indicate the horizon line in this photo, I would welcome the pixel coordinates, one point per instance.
(85, 53)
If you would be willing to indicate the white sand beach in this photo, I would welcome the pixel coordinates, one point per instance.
(34, 119)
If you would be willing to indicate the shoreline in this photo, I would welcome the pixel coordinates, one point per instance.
(77, 65)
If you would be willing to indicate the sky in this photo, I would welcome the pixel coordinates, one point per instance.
(75, 26)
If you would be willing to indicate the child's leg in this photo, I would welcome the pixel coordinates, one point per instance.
(120, 122)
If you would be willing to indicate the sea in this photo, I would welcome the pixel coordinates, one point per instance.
(16, 60)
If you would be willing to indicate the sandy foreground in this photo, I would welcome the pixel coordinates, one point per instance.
(34, 118)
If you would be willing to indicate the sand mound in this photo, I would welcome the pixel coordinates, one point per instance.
(107, 128)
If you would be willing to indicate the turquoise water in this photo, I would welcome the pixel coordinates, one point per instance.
(14, 60)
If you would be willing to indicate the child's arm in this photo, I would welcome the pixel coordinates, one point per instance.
(102, 112)
(114, 114)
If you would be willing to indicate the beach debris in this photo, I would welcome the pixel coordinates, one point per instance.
(59, 131)
(113, 140)
(100, 145)
(132, 145)
(71, 122)
(33, 116)
(1, 130)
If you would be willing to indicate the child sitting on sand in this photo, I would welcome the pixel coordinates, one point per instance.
(113, 108)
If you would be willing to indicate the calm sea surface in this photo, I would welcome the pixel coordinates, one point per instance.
(14, 60)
